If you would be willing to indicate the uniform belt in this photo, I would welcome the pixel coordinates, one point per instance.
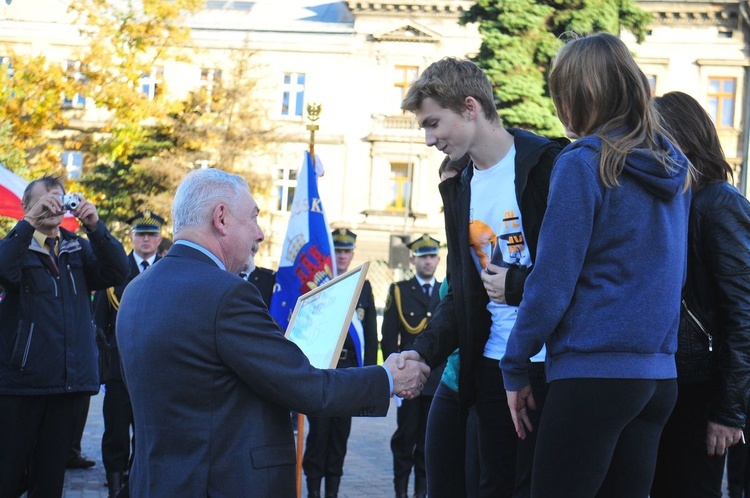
(344, 354)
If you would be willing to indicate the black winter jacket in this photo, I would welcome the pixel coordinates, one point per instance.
(462, 319)
(47, 337)
(714, 337)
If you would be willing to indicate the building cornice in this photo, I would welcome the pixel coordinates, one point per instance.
(723, 62)
(723, 14)
(656, 61)
(410, 8)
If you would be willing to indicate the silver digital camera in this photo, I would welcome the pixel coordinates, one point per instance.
(70, 202)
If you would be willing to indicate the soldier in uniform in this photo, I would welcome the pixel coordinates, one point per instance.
(118, 413)
(326, 442)
(410, 305)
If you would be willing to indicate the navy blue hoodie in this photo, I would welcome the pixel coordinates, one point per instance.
(604, 292)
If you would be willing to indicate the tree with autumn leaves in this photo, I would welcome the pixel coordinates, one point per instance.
(145, 143)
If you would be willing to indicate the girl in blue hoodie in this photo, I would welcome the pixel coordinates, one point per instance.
(604, 294)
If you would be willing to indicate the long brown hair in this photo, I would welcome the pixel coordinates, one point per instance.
(598, 89)
(695, 133)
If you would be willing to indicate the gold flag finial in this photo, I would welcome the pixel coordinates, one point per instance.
(313, 111)
(313, 114)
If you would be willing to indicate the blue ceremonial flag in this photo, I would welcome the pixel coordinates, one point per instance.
(306, 257)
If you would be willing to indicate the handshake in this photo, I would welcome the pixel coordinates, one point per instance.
(409, 373)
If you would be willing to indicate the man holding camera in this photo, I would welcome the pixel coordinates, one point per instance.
(48, 353)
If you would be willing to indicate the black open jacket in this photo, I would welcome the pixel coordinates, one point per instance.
(462, 319)
(717, 293)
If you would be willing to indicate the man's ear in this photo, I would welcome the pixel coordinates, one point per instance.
(472, 107)
(219, 219)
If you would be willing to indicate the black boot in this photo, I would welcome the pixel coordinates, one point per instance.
(332, 486)
(114, 483)
(313, 487)
(401, 485)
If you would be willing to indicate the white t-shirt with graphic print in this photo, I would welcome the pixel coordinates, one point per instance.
(496, 236)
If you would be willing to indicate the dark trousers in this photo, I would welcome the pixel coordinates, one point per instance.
(738, 468)
(451, 452)
(82, 413)
(118, 419)
(505, 460)
(683, 467)
(35, 443)
(408, 443)
(599, 437)
(326, 446)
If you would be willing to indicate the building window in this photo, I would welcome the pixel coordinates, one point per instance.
(73, 73)
(652, 83)
(73, 162)
(285, 183)
(293, 94)
(721, 100)
(399, 186)
(211, 82)
(403, 77)
(151, 82)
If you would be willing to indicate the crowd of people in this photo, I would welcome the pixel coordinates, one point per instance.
(591, 337)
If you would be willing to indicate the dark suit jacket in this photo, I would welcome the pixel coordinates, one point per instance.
(105, 317)
(416, 305)
(212, 380)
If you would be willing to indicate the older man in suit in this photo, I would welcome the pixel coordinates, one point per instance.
(210, 375)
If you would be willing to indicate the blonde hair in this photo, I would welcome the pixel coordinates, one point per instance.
(448, 82)
(598, 89)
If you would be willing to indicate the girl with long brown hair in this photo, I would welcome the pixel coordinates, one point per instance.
(604, 293)
(713, 353)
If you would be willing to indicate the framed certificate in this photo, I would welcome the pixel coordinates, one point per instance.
(321, 318)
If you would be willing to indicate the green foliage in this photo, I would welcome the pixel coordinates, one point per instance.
(119, 191)
(520, 39)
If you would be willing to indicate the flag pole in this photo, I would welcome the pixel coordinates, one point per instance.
(313, 114)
